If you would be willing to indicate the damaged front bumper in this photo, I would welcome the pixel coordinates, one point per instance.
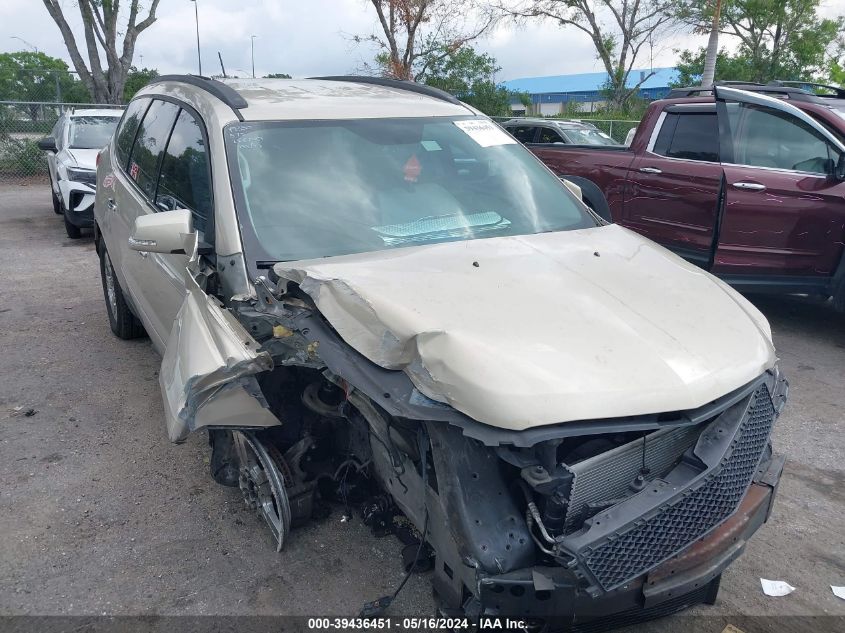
(561, 598)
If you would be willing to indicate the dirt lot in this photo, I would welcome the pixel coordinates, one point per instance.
(100, 514)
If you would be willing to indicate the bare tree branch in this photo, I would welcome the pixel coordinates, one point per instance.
(100, 30)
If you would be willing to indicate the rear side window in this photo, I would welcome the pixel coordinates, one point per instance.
(523, 133)
(184, 181)
(549, 136)
(149, 145)
(128, 128)
(689, 135)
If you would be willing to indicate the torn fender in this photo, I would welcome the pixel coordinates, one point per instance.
(206, 373)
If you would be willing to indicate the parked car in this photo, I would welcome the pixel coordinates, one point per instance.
(557, 131)
(72, 148)
(375, 295)
(745, 185)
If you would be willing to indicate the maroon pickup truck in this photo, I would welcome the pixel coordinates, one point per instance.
(748, 186)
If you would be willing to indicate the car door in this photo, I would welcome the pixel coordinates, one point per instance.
(785, 210)
(135, 189)
(674, 188)
(113, 228)
(184, 182)
(58, 136)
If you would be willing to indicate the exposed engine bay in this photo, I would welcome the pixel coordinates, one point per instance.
(559, 523)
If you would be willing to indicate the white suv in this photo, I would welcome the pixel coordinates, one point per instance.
(368, 293)
(72, 148)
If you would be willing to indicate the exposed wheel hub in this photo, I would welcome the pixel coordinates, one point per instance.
(263, 486)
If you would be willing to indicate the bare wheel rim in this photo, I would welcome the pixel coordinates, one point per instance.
(262, 486)
(111, 291)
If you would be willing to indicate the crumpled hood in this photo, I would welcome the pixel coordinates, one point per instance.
(530, 330)
(85, 158)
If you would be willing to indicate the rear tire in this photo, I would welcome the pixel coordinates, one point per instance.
(123, 323)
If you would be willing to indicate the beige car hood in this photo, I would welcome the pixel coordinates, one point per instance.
(530, 330)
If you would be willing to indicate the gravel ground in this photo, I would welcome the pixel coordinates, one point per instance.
(100, 514)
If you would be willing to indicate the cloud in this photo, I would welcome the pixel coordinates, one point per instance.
(313, 38)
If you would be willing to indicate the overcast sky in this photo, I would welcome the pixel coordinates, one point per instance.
(310, 37)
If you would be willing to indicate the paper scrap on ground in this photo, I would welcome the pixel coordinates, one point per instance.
(730, 628)
(776, 587)
(839, 592)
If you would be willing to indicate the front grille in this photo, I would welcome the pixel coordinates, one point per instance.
(650, 542)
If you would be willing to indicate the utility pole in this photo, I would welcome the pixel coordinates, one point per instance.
(197, 17)
(252, 42)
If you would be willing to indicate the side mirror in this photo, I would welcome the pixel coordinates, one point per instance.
(839, 170)
(575, 189)
(163, 232)
(48, 144)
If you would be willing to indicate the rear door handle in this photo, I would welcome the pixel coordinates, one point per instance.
(750, 186)
(651, 170)
(111, 204)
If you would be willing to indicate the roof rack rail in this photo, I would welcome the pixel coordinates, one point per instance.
(735, 82)
(399, 84)
(837, 90)
(226, 94)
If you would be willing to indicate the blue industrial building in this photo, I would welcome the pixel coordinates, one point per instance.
(550, 95)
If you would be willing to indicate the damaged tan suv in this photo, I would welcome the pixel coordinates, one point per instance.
(365, 292)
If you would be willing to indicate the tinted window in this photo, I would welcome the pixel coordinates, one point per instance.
(149, 145)
(184, 182)
(547, 135)
(769, 138)
(689, 135)
(128, 127)
(523, 133)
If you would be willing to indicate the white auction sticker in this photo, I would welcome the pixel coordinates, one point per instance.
(485, 133)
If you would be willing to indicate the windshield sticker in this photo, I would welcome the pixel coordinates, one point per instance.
(412, 169)
(485, 133)
(431, 146)
(133, 171)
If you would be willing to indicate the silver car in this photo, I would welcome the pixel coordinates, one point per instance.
(369, 295)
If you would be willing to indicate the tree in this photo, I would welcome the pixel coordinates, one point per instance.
(416, 33)
(137, 79)
(691, 67)
(712, 46)
(103, 22)
(470, 76)
(29, 76)
(277, 76)
(631, 25)
(778, 39)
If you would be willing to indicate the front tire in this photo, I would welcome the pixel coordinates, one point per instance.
(123, 323)
(57, 204)
(73, 231)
